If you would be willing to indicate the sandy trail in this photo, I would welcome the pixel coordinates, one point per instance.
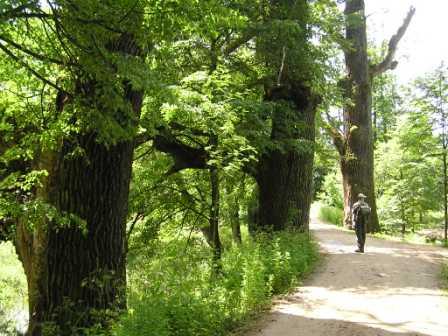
(392, 289)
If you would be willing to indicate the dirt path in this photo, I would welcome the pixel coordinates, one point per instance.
(392, 289)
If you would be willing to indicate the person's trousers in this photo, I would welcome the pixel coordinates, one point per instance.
(360, 229)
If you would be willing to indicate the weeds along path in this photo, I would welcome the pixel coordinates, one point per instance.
(392, 289)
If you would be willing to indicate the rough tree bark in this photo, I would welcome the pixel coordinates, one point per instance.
(74, 273)
(284, 175)
(355, 144)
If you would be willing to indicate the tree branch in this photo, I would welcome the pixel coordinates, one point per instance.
(30, 52)
(28, 67)
(137, 217)
(246, 36)
(185, 156)
(337, 137)
(19, 12)
(389, 62)
(335, 133)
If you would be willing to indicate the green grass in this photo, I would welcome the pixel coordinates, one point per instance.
(444, 275)
(408, 237)
(330, 214)
(175, 292)
(13, 295)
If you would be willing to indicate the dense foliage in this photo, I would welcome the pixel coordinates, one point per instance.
(123, 120)
(173, 290)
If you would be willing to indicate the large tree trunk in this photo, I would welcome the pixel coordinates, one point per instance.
(285, 173)
(355, 146)
(76, 269)
(357, 157)
(75, 272)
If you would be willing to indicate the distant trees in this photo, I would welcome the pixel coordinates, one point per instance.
(406, 176)
(432, 100)
(410, 166)
(385, 106)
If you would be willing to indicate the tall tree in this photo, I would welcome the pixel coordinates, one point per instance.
(285, 170)
(355, 143)
(285, 104)
(73, 247)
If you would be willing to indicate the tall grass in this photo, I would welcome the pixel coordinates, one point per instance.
(444, 276)
(331, 214)
(176, 293)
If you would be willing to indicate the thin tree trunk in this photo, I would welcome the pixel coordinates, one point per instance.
(214, 210)
(445, 191)
(235, 221)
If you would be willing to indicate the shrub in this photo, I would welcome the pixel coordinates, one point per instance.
(331, 215)
(445, 276)
(332, 193)
(176, 293)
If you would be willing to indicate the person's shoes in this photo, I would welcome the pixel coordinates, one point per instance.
(359, 251)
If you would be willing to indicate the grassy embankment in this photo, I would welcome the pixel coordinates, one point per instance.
(174, 291)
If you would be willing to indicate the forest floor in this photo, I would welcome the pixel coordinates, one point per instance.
(392, 289)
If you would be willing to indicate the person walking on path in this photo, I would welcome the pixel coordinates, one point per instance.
(360, 216)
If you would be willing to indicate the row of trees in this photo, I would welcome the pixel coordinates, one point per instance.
(207, 100)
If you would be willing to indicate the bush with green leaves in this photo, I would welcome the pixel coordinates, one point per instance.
(332, 194)
(331, 214)
(176, 291)
(331, 198)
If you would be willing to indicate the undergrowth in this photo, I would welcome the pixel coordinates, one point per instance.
(331, 214)
(13, 296)
(174, 292)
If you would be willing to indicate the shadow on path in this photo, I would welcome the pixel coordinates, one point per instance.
(282, 324)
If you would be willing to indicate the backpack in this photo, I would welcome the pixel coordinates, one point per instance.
(365, 210)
